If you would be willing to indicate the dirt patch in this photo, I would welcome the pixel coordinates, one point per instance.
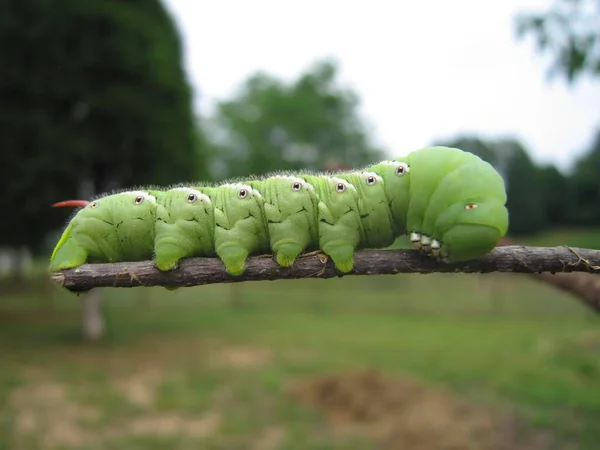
(240, 358)
(45, 414)
(172, 424)
(401, 413)
(140, 388)
(270, 439)
(45, 410)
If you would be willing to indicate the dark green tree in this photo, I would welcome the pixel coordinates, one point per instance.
(570, 32)
(586, 179)
(306, 124)
(92, 92)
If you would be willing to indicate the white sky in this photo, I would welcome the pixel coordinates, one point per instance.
(427, 69)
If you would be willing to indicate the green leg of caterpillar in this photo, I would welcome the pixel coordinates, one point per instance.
(168, 255)
(68, 256)
(465, 242)
(287, 252)
(341, 254)
(234, 258)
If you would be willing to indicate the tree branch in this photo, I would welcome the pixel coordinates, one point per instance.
(201, 271)
(583, 286)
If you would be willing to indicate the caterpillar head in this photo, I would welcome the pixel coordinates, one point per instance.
(474, 228)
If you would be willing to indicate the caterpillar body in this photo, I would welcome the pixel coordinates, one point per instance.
(451, 203)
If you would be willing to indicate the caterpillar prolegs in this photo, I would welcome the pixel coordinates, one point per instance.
(451, 203)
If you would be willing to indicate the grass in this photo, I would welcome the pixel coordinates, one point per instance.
(583, 238)
(209, 367)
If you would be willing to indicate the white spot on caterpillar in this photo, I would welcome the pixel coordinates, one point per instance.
(243, 187)
(240, 186)
(146, 196)
(344, 182)
(188, 190)
(372, 178)
(435, 244)
(425, 240)
(293, 179)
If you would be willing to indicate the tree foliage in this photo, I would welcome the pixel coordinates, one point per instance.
(92, 91)
(271, 125)
(570, 32)
(586, 201)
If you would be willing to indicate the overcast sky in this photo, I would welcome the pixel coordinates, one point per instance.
(423, 70)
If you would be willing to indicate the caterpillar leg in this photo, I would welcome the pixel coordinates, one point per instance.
(234, 258)
(436, 247)
(468, 241)
(287, 252)
(68, 256)
(415, 238)
(167, 256)
(342, 256)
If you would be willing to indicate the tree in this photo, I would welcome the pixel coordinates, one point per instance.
(586, 198)
(306, 124)
(570, 31)
(92, 92)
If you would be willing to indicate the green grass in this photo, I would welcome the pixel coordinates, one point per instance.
(208, 367)
(583, 238)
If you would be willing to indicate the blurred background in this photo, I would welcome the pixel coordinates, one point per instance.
(103, 95)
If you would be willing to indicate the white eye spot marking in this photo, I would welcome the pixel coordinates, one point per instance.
(194, 196)
(296, 186)
(138, 200)
(470, 206)
(94, 205)
(371, 180)
(402, 169)
(243, 193)
(342, 185)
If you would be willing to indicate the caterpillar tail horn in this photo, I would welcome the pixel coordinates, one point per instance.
(71, 203)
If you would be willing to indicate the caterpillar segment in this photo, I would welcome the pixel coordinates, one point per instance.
(115, 228)
(449, 202)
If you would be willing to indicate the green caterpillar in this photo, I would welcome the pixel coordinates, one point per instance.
(450, 202)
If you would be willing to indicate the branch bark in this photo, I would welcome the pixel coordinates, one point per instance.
(583, 286)
(201, 271)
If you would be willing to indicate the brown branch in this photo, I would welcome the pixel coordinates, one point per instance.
(200, 271)
(584, 286)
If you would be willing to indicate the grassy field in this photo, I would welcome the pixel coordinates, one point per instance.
(419, 361)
